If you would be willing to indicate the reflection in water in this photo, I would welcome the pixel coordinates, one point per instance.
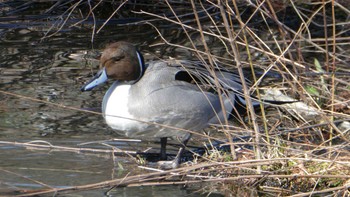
(39, 168)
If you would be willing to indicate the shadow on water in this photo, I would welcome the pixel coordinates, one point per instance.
(52, 70)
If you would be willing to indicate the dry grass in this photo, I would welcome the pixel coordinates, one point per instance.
(305, 43)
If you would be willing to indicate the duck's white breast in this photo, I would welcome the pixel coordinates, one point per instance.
(115, 109)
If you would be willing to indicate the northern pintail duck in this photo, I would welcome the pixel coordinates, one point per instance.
(152, 100)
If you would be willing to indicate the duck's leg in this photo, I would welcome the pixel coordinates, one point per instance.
(175, 163)
(163, 142)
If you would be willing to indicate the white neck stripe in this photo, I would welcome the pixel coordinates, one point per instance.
(140, 64)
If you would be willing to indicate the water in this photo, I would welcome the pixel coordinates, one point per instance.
(38, 78)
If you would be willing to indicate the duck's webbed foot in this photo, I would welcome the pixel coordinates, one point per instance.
(166, 165)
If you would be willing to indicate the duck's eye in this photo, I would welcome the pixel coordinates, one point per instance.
(117, 58)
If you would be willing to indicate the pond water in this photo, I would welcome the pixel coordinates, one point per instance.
(40, 100)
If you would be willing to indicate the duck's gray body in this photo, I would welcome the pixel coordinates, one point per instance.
(162, 99)
(163, 103)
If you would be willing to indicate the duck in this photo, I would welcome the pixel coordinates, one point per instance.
(164, 99)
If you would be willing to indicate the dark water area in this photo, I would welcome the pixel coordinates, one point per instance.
(39, 76)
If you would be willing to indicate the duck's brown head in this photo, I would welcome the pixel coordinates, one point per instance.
(120, 61)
